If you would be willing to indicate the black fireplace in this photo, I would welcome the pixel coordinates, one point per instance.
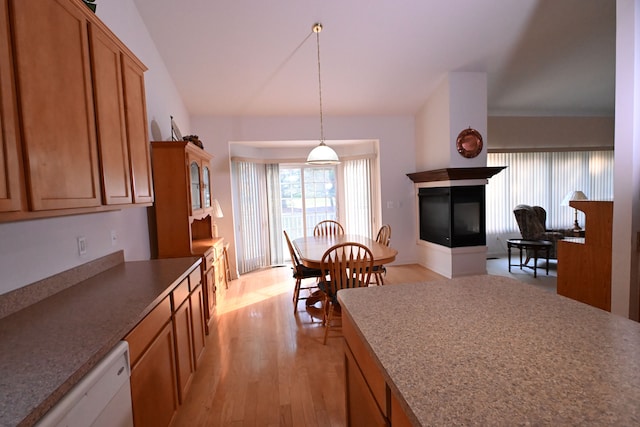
(453, 216)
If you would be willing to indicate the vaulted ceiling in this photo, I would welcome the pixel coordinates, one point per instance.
(384, 57)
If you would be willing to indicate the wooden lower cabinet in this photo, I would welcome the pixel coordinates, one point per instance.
(184, 347)
(369, 400)
(362, 409)
(165, 348)
(584, 264)
(215, 277)
(210, 284)
(153, 379)
(196, 300)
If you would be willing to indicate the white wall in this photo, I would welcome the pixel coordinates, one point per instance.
(432, 127)
(626, 205)
(459, 102)
(33, 250)
(397, 158)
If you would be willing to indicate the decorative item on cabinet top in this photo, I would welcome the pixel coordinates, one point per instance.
(195, 139)
(176, 135)
(91, 5)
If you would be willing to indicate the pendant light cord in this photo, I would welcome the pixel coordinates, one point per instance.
(317, 28)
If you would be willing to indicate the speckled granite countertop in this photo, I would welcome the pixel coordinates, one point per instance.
(488, 350)
(49, 346)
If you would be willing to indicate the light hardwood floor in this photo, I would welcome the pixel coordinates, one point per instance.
(265, 366)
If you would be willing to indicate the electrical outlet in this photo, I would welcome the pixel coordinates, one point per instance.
(82, 245)
(114, 238)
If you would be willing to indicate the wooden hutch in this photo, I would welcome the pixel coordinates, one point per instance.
(184, 213)
(584, 263)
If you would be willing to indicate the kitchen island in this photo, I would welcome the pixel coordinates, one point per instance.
(486, 350)
(50, 345)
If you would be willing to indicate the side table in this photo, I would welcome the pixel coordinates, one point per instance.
(536, 246)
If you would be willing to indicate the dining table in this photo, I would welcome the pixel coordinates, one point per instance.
(312, 248)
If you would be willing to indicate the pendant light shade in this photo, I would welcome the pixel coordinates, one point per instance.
(322, 154)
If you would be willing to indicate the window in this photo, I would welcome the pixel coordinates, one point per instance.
(308, 195)
(270, 198)
(543, 179)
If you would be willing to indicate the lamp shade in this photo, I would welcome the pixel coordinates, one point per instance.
(217, 210)
(323, 155)
(573, 195)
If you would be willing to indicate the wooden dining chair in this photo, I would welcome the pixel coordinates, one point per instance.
(348, 265)
(384, 238)
(328, 227)
(301, 272)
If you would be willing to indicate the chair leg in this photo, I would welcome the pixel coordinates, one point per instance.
(328, 324)
(325, 309)
(296, 295)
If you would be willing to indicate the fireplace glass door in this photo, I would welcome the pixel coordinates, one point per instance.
(453, 216)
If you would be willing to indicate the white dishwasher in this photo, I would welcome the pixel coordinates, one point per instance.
(101, 399)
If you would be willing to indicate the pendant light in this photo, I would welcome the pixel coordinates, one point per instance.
(322, 154)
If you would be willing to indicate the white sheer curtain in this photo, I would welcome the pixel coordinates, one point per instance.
(252, 215)
(276, 238)
(258, 216)
(543, 179)
(358, 197)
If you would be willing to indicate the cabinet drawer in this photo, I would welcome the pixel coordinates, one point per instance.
(180, 294)
(209, 259)
(195, 279)
(145, 332)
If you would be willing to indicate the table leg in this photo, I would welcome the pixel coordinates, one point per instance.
(547, 248)
(520, 247)
(509, 255)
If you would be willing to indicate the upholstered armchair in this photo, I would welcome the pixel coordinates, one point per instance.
(532, 223)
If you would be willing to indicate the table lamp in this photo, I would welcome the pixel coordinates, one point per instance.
(217, 213)
(574, 195)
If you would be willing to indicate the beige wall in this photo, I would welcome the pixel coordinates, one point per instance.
(549, 132)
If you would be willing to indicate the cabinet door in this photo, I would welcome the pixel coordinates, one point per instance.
(197, 322)
(220, 273)
(362, 409)
(56, 103)
(184, 348)
(206, 186)
(10, 199)
(153, 383)
(195, 186)
(210, 293)
(136, 117)
(112, 140)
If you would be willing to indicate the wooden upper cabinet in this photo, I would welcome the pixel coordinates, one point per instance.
(53, 74)
(121, 119)
(110, 121)
(136, 118)
(10, 188)
(73, 120)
